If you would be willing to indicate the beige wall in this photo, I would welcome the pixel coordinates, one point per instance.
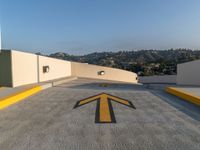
(57, 68)
(158, 79)
(20, 68)
(24, 68)
(5, 68)
(91, 71)
(189, 73)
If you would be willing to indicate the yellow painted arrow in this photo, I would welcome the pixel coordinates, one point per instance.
(104, 110)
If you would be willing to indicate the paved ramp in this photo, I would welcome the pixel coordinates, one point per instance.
(48, 120)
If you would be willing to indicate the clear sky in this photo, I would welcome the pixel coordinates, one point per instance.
(84, 26)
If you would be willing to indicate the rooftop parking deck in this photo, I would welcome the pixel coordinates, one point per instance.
(48, 120)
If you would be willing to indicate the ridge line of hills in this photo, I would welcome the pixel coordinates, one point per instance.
(143, 62)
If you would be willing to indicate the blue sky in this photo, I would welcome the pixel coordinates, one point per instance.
(84, 26)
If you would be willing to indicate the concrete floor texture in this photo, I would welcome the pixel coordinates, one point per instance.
(48, 120)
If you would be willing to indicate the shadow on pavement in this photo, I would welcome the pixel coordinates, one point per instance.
(185, 107)
(104, 86)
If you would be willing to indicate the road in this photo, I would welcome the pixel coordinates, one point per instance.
(49, 121)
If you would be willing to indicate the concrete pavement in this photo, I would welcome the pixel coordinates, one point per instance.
(47, 120)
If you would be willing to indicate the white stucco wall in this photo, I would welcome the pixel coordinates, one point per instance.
(57, 68)
(189, 73)
(91, 71)
(24, 68)
(158, 79)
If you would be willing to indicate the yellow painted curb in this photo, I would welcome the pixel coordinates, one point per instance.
(14, 98)
(184, 95)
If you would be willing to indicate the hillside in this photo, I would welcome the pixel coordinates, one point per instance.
(143, 62)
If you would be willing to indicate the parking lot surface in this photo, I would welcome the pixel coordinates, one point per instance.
(49, 120)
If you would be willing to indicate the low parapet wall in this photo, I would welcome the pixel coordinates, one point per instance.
(21, 68)
(5, 69)
(57, 68)
(168, 79)
(189, 73)
(99, 72)
(24, 68)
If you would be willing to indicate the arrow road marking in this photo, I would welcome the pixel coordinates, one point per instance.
(104, 109)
